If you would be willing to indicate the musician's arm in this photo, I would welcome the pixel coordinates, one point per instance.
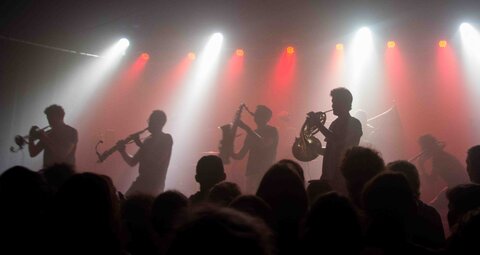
(249, 130)
(245, 148)
(60, 151)
(34, 149)
(130, 160)
(329, 135)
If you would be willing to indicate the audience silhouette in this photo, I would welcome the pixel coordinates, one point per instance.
(209, 172)
(59, 211)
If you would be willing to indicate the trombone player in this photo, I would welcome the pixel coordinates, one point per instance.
(59, 143)
(153, 156)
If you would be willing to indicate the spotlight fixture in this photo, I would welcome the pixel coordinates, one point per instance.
(290, 50)
(442, 44)
(145, 56)
(240, 52)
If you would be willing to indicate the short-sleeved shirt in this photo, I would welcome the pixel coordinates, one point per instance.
(63, 137)
(263, 152)
(347, 132)
(153, 158)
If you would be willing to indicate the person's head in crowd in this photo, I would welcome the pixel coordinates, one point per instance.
(294, 166)
(136, 218)
(317, 188)
(284, 191)
(461, 199)
(473, 164)
(209, 172)
(332, 226)
(215, 231)
(389, 192)
(23, 193)
(410, 171)
(87, 214)
(169, 211)
(223, 193)
(464, 238)
(360, 165)
(136, 211)
(254, 206)
(390, 204)
(57, 174)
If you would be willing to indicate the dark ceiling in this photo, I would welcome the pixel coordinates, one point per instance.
(160, 26)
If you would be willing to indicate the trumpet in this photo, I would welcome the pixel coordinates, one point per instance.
(20, 141)
(307, 147)
(104, 155)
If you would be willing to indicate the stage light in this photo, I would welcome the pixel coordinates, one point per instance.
(442, 44)
(145, 56)
(363, 39)
(360, 58)
(118, 49)
(191, 56)
(391, 44)
(207, 61)
(362, 46)
(240, 52)
(290, 50)
(123, 45)
(470, 36)
(339, 46)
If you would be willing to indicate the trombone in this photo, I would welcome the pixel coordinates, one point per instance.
(20, 141)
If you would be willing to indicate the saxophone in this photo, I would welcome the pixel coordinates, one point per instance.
(229, 131)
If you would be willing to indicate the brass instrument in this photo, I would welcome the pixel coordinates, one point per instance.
(20, 141)
(226, 148)
(307, 147)
(104, 155)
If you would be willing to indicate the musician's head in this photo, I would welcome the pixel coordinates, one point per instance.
(263, 114)
(429, 144)
(341, 100)
(473, 164)
(55, 115)
(156, 121)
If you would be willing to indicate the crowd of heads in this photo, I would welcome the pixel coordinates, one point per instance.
(59, 210)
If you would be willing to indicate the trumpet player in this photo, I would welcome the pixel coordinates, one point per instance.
(153, 156)
(344, 132)
(59, 143)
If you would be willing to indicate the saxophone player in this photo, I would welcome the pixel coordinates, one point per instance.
(261, 146)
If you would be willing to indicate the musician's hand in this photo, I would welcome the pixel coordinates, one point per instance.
(33, 133)
(242, 125)
(135, 138)
(314, 119)
(121, 145)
